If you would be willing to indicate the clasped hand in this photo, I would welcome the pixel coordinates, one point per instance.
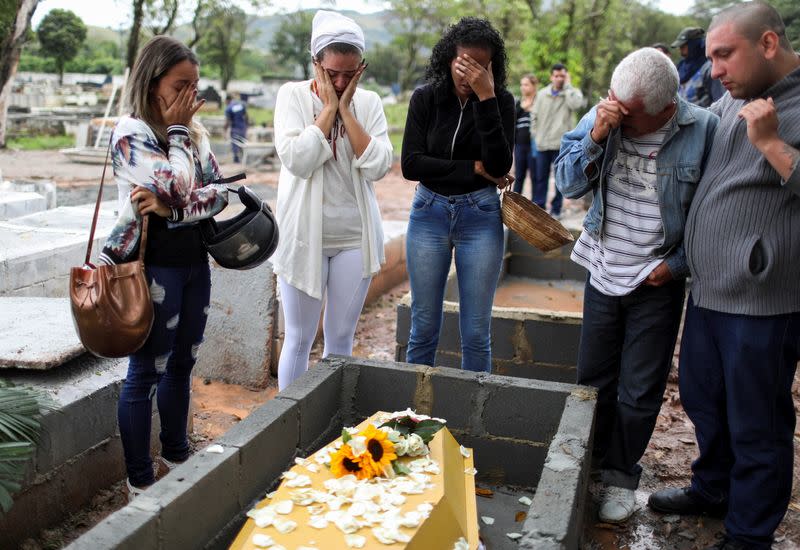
(501, 182)
(327, 91)
(609, 115)
(146, 201)
(762, 121)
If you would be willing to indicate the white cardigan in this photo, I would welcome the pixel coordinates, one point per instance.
(303, 149)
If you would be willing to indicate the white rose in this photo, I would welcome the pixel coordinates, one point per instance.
(416, 446)
(401, 446)
(358, 444)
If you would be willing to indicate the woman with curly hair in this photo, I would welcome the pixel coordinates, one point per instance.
(458, 144)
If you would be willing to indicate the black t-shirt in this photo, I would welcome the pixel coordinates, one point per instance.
(522, 133)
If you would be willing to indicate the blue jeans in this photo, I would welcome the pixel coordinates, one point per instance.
(524, 163)
(544, 159)
(162, 367)
(238, 134)
(626, 353)
(736, 374)
(471, 225)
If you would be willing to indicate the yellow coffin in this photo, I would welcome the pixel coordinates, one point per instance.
(450, 494)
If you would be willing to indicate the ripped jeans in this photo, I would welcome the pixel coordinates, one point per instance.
(162, 367)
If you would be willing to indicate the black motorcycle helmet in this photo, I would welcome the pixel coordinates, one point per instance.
(246, 240)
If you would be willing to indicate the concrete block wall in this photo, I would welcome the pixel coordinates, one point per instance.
(79, 451)
(516, 427)
(526, 344)
(525, 260)
(38, 250)
(14, 204)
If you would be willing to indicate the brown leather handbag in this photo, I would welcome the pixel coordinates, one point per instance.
(111, 306)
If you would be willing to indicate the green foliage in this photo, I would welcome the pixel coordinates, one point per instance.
(8, 12)
(39, 143)
(20, 410)
(291, 41)
(61, 34)
(384, 64)
(223, 39)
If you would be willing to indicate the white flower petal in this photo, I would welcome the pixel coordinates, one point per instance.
(318, 522)
(461, 544)
(284, 525)
(470, 471)
(525, 501)
(464, 451)
(514, 536)
(284, 507)
(216, 449)
(355, 541)
(263, 541)
(487, 520)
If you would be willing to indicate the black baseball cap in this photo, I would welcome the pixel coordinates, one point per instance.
(689, 33)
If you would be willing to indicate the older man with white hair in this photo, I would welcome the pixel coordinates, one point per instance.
(641, 151)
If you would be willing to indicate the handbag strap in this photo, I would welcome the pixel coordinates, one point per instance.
(97, 203)
(145, 219)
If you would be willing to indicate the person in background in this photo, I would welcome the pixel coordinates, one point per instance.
(697, 85)
(663, 48)
(458, 144)
(331, 137)
(627, 150)
(552, 116)
(236, 120)
(741, 335)
(524, 145)
(164, 168)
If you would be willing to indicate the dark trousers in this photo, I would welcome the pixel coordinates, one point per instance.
(626, 353)
(524, 163)
(162, 368)
(736, 374)
(544, 159)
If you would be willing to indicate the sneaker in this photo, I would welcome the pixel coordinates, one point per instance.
(617, 505)
(133, 491)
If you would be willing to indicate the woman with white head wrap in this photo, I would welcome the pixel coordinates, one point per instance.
(332, 140)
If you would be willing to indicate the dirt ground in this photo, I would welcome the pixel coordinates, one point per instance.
(218, 406)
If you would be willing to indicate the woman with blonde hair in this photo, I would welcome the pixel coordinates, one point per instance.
(524, 145)
(331, 137)
(163, 165)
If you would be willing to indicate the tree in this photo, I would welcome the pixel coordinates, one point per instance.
(15, 22)
(222, 42)
(61, 34)
(290, 42)
(160, 16)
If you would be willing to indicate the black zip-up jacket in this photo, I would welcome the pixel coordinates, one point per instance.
(442, 141)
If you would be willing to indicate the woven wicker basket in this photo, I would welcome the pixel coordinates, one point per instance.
(532, 223)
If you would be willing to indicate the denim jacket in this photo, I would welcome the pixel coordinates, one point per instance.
(679, 164)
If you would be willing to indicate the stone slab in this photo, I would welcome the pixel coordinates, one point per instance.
(14, 204)
(44, 187)
(37, 333)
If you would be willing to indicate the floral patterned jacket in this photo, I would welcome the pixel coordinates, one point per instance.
(181, 178)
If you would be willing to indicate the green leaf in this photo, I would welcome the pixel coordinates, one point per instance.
(426, 429)
(346, 437)
(403, 425)
(400, 469)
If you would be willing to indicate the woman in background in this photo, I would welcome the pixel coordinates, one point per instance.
(524, 145)
(458, 144)
(332, 140)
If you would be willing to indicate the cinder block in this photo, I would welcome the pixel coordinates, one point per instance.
(501, 461)
(504, 332)
(403, 324)
(537, 268)
(267, 441)
(385, 386)
(317, 393)
(506, 411)
(553, 342)
(197, 499)
(538, 371)
(450, 334)
(129, 528)
(458, 397)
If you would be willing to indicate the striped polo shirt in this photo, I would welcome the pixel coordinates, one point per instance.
(624, 255)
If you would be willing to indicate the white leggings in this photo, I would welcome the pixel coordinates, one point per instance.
(344, 292)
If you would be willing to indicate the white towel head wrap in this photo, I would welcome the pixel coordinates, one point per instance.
(329, 27)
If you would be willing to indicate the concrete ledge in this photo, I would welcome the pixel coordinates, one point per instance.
(201, 503)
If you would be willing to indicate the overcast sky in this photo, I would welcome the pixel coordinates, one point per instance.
(116, 13)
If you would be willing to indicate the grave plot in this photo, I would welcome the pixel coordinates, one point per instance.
(530, 438)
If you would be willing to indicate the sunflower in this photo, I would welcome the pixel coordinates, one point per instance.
(380, 451)
(344, 462)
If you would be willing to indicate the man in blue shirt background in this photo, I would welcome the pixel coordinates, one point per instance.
(236, 120)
